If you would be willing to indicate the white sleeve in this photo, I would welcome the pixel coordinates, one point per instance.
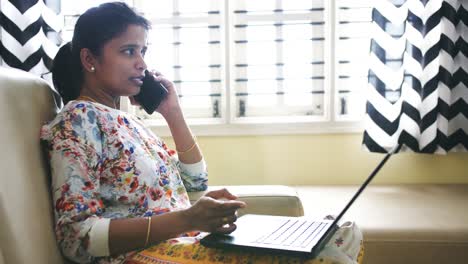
(99, 238)
(195, 168)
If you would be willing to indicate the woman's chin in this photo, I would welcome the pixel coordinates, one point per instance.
(133, 91)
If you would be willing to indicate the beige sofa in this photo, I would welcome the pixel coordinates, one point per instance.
(417, 224)
(26, 223)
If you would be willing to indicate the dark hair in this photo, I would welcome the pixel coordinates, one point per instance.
(93, 29)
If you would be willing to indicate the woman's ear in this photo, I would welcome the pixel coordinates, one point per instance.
(88, 60)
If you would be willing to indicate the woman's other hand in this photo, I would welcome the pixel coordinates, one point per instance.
(222, 194)
(211, 215)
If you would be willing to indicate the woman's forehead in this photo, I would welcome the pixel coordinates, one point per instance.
(133, 35)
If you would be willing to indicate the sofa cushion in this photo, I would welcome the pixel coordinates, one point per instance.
(401, 223)
(26, 230)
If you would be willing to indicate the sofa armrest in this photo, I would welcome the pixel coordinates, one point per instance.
(262, 199)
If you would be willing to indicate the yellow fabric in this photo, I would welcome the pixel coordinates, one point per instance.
(180, 251)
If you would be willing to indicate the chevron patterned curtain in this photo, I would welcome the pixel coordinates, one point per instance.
(418, 82)
(29, 34)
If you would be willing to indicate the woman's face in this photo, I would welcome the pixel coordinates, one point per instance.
(121, 66)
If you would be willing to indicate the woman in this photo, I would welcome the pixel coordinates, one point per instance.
(116, 186)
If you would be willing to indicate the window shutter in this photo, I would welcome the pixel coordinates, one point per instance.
(277, 62)
(353, 29)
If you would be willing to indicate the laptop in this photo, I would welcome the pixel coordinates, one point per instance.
(298, 236)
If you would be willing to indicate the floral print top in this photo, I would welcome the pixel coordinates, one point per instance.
(106, 164)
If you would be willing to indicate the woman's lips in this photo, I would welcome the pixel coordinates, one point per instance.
(137, 81)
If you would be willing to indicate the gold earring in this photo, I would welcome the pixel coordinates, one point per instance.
(92, 69)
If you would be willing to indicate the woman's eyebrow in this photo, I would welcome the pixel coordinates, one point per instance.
(126, 46)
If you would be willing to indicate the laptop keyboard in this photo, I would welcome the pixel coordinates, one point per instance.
(295, 233)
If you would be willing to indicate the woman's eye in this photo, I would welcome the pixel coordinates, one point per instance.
(132, 52)
(129, 52)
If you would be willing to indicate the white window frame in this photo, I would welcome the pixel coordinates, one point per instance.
(229, 124)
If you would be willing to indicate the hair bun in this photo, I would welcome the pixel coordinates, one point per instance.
(64, 72)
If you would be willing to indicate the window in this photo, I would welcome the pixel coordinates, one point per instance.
(267, 66)
(352, 33)
(278, 59)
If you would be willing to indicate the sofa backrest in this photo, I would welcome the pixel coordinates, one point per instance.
(26, 221)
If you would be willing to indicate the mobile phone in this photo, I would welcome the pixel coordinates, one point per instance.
(151, 94)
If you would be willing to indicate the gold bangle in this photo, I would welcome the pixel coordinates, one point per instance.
(148, 231)
(189, 149)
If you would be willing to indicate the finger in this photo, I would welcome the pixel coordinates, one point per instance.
(158, 76)
(165, 82)
(227, 194)
(218, 207)
(214, 208)
(156, 73)
(222, 193)
(225, 220)
(232, 205)
(226, 229)
(216, 194)
(228, 219)
(222, 213)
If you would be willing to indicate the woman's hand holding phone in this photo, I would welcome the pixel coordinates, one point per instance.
(171, 102)
(154, 97)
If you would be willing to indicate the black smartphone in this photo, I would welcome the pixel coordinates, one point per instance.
(152, 93)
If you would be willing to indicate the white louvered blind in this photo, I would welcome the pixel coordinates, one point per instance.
(278, 58)
(353, 31)
(256, 62)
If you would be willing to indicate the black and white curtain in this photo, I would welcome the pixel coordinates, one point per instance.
(29, 34)
(418, 76)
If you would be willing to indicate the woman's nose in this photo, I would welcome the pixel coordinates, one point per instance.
(141, 64)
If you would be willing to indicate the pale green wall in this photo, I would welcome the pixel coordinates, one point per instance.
(320, 159)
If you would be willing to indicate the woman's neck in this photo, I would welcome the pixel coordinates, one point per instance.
(99, 96)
